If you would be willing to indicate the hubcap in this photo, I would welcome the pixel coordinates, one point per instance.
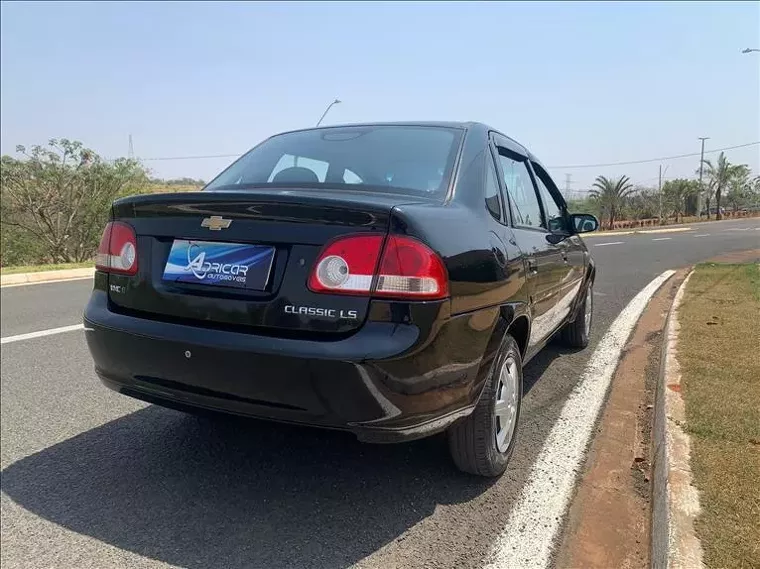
(506, 404)
(589, 310)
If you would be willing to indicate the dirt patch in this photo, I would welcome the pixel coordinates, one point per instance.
(609, 518)
(750, 256)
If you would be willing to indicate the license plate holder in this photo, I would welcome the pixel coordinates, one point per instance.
(219, 264)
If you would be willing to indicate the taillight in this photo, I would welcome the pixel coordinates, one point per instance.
(117, 252)
(411, 269)
(347, 265)
(408, 268)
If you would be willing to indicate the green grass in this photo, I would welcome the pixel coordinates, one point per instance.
(38, 268)
(719, 353)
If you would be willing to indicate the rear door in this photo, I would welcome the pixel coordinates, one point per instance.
(545, 264)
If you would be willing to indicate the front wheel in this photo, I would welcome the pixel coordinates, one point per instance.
(576, 334)
(483, 442)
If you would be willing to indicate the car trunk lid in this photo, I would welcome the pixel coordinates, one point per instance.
(277, 234)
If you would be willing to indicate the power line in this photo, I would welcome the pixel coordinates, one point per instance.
(690, 155)
(552, 167)
(193, 157)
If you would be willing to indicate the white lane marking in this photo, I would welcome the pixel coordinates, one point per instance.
(535, 520)
(41, 333)
(610, 243)
(662, 239)
(738, 229)
(702, 235)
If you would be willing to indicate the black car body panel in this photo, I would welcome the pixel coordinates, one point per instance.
(398, 369)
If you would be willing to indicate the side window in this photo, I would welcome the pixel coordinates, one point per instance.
(523, 199)
(556, 220)
(493, 203)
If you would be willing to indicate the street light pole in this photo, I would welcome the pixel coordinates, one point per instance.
(335, 102)
(701, 188)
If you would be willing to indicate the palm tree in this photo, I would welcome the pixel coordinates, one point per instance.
(611, 194)
(719, 175)
(738, 187)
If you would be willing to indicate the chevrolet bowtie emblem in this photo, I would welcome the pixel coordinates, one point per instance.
(216, 223)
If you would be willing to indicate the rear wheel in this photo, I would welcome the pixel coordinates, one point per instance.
(576, 334)
(483, 442)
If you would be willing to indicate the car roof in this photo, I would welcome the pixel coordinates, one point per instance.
(440, 124)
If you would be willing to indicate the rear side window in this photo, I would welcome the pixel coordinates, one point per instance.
(554, 217)
(493, 202)
(398, 159)
(523, 199)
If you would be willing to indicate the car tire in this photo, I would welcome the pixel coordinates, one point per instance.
(479, 443)
(576, 334)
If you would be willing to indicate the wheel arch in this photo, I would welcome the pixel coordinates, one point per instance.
(519, 329)
(588, 280)
(514, 319)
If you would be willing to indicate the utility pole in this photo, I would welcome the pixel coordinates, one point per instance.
(131, 153)
(568, 181)
(701, 188)
(659, 192)
(659, 187)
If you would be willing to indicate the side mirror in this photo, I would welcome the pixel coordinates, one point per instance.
(584, 222)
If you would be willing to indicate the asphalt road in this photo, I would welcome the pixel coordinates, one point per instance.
(94, 479)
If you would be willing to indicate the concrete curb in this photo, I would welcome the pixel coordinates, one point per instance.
(675, 500)
(46, 276)
(637, 231)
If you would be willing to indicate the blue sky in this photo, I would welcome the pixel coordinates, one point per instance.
(578, 83)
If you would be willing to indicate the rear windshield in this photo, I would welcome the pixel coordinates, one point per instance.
(398, 159)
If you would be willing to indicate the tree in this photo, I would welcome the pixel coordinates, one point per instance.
(583, 205)
(707, 193)
(753, 192)
(60, 196)
(719, 175)
(642, 203)
(739, 188)
(610, 195)
(677, 192)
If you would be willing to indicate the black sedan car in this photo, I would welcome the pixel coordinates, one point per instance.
(390, 280)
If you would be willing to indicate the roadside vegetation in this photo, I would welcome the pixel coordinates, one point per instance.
(726, 189)
(718, 353)
(54, 199)
(39, 268)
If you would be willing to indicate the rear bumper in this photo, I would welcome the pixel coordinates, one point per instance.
(386, 383)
